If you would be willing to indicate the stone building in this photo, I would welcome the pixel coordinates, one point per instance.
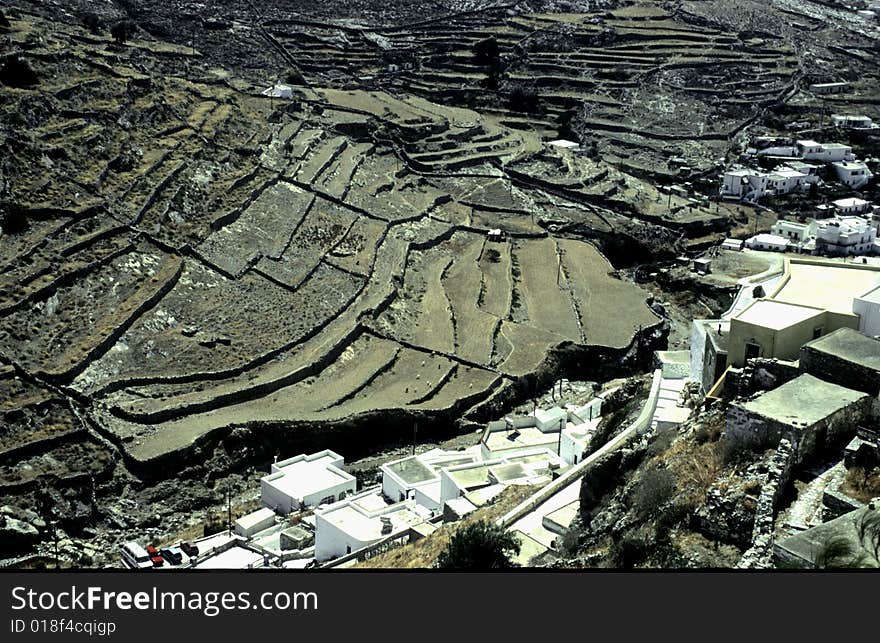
(809, 412)
(845, 357)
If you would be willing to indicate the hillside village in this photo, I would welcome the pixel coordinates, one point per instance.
(299, 287)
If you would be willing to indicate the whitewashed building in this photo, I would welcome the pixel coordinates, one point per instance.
(770, 242)
(851, 205)
(531, 467)
(794, 231)
(851, 235)
(745, 184)
(362, 520)
(417, 477)
(306, 481)
(785, 180)
(826, 152)
(852, 121)
(254, 522)
(855, 174)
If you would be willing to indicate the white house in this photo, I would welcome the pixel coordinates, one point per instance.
(851, 235)
(826, 152)
(306, 481)
(548, 420)
(576, 438)
(855, 174)
(745, 184)
(810, 170)
(417, 477)
(852, 121)
(794, 231)
(359, 521)
(785, 180)
(768, 242)
(867, 307)
(851, 205)
(829, 88)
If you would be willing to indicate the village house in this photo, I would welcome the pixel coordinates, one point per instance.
(851, 205)
(813, 298)
(784, 180)
(417, 477)
(852, 121)
(362, 520)
(744, 184)
(771, 242)
(306, 481)
(810, 150)
(839, 235)
(845, 357)
(854, 174)
(829, 88)
(809, 412)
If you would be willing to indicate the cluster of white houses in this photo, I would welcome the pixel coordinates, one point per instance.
(851, 229)
(800, 165)
(312, 508)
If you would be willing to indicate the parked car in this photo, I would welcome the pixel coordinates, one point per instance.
(157, 561)
(152, 551)
(189, 548)
(172, 554)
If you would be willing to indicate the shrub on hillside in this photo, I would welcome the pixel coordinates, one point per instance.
(479, 546)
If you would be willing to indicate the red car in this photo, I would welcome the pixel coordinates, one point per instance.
(155, 556)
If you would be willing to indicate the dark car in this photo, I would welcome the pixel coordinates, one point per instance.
(189, 549)
(172, 555)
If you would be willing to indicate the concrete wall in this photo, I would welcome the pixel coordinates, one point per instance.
(869, 316)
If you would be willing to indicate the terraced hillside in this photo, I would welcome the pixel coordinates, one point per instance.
(184, 257)
(195, 276)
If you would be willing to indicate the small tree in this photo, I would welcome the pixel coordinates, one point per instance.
(486, 51)
(92, 22)
(480, 546)
(122, 31)
(16, 72)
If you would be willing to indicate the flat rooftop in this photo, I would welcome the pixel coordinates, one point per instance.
(827, 286)
(366, 527)
(305, 477)
(849, 345)
(412, 470)
(518, 438)
(803, 401)
(777, 315)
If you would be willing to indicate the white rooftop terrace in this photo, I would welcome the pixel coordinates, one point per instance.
(776, 315)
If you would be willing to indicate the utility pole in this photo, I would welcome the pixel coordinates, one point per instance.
(228, 510)
(559, 441)
(415, 433)
(55, 538)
